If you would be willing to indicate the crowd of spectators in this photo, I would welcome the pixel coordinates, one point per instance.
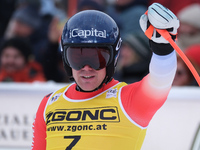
(40, 23)
(16, 62)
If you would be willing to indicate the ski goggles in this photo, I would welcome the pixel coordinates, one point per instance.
(96, 57)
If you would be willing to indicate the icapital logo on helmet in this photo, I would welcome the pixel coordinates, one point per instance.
(85, 33)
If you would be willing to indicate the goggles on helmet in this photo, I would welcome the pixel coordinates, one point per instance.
(96, 57)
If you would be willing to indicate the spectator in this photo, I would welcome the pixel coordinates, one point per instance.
(189, 31)
(27, 22)
(127, 13)
(183, 75)
(16, 64)
(134, 58)
(24, 23)
(53, 19)
(90, 4)
(52, 64)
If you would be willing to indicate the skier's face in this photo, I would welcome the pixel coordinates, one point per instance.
(88, 78)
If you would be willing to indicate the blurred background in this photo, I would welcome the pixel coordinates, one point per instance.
(31, 65)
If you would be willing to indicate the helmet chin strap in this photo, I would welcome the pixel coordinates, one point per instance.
(105, 81)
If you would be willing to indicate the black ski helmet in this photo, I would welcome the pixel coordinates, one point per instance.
(92, 28)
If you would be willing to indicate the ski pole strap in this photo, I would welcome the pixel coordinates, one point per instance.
(167, 36)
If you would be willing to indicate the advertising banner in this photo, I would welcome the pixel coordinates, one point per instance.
(175, 126)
